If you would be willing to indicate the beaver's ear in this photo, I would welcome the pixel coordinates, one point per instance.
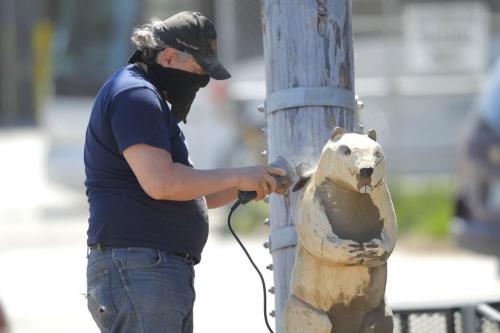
(372, 134)
(337, 133)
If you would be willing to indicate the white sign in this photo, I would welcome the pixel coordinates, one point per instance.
(446, 37)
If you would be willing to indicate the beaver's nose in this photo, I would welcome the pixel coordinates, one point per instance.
(366, 172)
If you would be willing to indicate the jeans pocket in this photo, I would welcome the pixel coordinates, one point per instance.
(141, 258)
(99, 300)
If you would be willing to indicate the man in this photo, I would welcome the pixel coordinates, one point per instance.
(148, 206)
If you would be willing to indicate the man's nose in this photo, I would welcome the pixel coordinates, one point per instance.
(366, 172)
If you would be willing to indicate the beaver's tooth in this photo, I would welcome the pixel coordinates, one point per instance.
(365, 189)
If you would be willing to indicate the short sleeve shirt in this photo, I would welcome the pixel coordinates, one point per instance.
(128, 110)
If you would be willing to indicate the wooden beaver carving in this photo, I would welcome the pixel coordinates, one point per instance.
(346, 229)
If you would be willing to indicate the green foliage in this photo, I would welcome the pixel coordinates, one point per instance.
(427, 210)
(250, 218)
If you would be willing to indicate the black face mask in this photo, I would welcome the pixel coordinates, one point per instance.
(179, 86)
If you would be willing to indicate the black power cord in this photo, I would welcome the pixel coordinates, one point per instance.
(233, 208)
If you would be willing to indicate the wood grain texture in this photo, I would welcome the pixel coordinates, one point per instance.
(346, 231)
(307, 43)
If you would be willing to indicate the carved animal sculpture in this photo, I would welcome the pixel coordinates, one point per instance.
(346, 229)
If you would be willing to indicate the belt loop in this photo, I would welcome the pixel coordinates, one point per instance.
(88, 251)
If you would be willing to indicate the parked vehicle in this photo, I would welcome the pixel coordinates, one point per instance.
(477, 221)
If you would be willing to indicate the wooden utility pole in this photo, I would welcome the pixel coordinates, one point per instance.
(310, 90)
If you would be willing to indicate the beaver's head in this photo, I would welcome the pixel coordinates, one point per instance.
(354, 161)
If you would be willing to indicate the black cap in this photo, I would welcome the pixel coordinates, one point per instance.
(195, 34)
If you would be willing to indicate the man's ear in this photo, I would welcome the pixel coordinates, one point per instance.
(372, 134)
(337, 133)
(167, 56)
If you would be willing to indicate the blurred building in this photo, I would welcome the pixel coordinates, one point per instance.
(419, 66)
(25, 35)
(419, 74)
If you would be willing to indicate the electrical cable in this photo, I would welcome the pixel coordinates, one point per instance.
(233, 208)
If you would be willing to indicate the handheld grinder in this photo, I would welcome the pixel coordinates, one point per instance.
(283, 181)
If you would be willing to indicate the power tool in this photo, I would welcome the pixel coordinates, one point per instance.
(247, 196)
(280, 163)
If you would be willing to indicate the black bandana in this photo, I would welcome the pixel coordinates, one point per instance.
(179, 86)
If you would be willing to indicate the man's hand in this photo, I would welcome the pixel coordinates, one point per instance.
(259, 179)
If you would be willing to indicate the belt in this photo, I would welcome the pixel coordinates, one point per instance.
(188, 257)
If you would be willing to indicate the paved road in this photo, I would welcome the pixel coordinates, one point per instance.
(42, 260)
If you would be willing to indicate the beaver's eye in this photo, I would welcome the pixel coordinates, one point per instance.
(346, 150)
(378, 154)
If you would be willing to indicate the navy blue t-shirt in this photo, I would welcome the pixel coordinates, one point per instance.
(128, 110)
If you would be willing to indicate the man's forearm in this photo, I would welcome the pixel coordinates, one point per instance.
(218, 199)
(182, 183)
(162, 179)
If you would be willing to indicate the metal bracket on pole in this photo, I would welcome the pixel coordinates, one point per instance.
(319, 96)
(283, 237)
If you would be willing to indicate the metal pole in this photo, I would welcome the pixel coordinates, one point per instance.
(306, 44)
(470, 321)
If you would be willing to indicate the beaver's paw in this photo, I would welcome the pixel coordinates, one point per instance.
(342, 251)
(375, 254)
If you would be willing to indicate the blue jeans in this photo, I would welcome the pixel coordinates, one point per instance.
(140, 290)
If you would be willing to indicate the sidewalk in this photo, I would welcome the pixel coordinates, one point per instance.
(41, 286)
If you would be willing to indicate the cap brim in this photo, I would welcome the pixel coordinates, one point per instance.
(214, 68)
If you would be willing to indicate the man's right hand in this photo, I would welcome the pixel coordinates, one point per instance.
(259, 179)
